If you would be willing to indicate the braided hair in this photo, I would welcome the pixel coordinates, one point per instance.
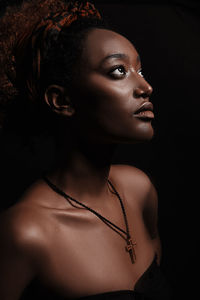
(40, 44)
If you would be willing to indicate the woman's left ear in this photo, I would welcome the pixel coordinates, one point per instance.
(56, 97)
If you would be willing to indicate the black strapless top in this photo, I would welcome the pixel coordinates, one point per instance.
(152, 285)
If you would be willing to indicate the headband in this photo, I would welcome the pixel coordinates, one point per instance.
(34, 40)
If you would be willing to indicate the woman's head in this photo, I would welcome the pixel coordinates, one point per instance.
(109, 91)
(88, 74)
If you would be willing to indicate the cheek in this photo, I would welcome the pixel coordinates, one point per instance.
(107, 107)
(112, 103)
(102, 95)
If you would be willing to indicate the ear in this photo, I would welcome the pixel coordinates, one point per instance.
(55, 96)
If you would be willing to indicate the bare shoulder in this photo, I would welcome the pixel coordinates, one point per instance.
(134, 181)
(140, 191)
(22, 229)
(29, 222)
(23, 241)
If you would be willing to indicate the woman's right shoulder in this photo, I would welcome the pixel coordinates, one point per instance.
(23, 226)
(23, 247)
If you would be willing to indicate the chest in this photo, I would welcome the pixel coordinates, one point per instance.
(86, 256)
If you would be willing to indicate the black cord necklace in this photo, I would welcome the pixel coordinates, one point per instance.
(117, 229)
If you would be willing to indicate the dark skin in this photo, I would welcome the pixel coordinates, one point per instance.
(68, 248)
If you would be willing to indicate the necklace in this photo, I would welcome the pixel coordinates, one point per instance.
(130, 244)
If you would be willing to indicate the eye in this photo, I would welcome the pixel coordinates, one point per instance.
(118, 72)
(140, 72)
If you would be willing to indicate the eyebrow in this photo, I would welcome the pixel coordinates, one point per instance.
(119, 55)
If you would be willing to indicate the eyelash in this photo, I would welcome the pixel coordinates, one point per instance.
(115, 76)
(124, 72)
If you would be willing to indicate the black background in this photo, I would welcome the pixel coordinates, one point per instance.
(166, 35)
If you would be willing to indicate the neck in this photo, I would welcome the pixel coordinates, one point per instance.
(82, 168)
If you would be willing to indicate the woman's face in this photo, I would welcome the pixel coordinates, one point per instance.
(110, 95)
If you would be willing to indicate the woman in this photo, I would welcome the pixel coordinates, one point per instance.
(86, 228)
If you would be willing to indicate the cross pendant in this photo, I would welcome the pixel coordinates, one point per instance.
(131, 250)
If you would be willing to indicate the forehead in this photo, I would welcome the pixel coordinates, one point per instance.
(101, 43)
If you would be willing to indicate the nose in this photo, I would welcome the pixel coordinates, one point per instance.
(143, 90)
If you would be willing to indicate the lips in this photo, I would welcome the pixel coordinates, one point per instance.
(145, 111)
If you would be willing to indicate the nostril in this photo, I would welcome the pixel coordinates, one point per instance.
(140, 93)
(143, 92)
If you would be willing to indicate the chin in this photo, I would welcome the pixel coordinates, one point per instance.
(144, 133)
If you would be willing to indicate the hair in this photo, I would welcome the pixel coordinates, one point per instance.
(40, 44)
